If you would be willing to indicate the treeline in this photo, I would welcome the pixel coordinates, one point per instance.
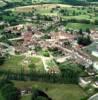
(15, 4)
(66, 77)
(72, 2)
(92, 0)
(84, 21)
(76, 2)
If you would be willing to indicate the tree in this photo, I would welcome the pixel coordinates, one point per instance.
(2, 60)
(9, 91)
(70, 72)
(88, 30)
(39, 95)
(3, 82)
(82, 40)
(80, 32)
(96, 22)
(74, 13)
(32, 66)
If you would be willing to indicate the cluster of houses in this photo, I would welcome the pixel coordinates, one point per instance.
(30, 37)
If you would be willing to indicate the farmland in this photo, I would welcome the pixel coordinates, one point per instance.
(86, 15)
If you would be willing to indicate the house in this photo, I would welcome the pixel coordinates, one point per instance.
(95, 66)
(27, 36)
(62, 36)
(94, 35)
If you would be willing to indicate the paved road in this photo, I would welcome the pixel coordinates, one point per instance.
(94, 97)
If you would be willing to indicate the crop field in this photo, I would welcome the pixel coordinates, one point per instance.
(65, 12)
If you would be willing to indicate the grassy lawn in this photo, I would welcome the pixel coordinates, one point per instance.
(16, 63)
(55, 91)
(39, 64)
(13, 63)
(27, 97)
(51, 63)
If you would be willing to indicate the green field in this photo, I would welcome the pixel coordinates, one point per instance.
(55, 91)
(80, 26)
(16, 63)
(39, 64)
(13, 63)
(78, 13)
(27, 97)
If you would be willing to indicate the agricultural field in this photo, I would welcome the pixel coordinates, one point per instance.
(55, 91)
(85, 16)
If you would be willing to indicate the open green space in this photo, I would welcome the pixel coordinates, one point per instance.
(38, 63)
(55, 91)
(76, 26)
(13, 63)
(51, 63)
(26, 97)
(17, 63)
(76, 16)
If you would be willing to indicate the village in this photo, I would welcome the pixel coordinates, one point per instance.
(49, 49)
(32, 42)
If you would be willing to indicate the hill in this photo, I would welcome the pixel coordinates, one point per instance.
(4, 4)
